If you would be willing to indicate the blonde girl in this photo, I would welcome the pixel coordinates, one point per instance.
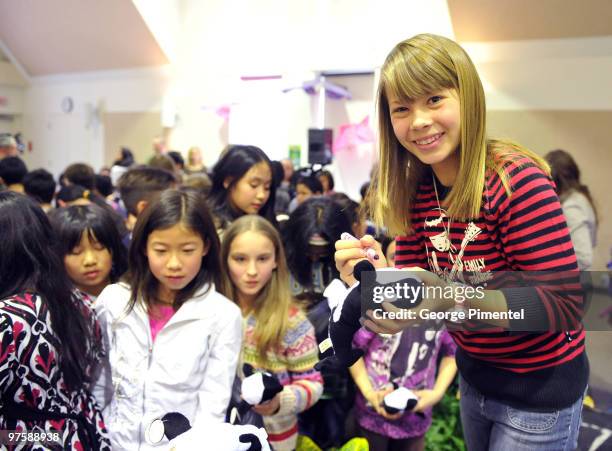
(465, 206)
(277, 337)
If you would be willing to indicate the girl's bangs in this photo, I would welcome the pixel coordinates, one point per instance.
(410, 73)
(96, 236)
(70, 235)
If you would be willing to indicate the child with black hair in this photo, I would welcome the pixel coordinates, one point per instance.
(309, 237)
(124, 161)
(91, 246)
(12, 172)
(141, 185)
(104, 186)
(387, 246)
(327, 181)
(353, 212)
(283, 198)
(72, 195)
(306, 187)
(174, 340)
(40, 185)
(50, 339)
(421, 359)
(81, 174)
(179, 161)
(242, 183)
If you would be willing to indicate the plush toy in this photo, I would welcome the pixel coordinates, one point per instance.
(400, 400)
(346, 312)
(218, 436)
(257, 387)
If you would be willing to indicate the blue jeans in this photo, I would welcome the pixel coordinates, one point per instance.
(492, 425)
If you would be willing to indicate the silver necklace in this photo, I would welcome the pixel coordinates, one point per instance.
(450, 220)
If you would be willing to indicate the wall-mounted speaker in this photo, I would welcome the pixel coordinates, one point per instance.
(320, 145)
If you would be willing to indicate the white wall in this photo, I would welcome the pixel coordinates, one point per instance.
(222, 40)
(554, 74)
(12, 99)
(351, 166)
(59, 138)
(248, 37)
(11, 124)
(269, 118)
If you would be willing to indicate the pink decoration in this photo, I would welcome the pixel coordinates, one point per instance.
(224, 112)
(352, 135)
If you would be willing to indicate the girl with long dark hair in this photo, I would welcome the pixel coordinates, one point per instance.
(174, 340)
(309, 237)
(90, 245)
(49, 338)
(577, 203)
(242, 184)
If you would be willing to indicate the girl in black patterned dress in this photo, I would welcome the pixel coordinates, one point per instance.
(49, 339)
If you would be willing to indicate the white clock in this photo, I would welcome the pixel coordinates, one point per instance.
(67, 104)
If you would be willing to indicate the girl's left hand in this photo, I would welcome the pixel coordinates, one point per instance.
(381, 410)
(269, 407)
(427, 398)
(393, 326)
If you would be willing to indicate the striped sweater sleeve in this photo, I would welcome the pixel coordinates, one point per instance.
(410, 252)
(535, 238)
(306, 384)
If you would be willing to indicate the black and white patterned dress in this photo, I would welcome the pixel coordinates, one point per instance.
(34, 394)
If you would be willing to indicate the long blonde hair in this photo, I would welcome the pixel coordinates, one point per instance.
(274, 303)
(420, 66)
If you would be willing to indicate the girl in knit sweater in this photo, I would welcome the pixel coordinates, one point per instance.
(277, 335)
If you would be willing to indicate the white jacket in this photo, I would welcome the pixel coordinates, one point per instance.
(189, 368)
(582, 225)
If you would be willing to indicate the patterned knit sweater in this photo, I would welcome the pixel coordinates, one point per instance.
(523, 232)
(293, 364)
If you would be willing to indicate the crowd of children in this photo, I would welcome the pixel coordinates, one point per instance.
(145, 289)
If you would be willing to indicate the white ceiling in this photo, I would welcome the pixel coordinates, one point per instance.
(62, 36)
(71, 36)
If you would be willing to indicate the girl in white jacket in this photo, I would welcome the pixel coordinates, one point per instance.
(173, 340)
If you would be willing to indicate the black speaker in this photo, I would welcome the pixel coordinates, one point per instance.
(320, 145)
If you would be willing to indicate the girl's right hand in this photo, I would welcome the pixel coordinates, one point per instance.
(350, 252)
(376, 400)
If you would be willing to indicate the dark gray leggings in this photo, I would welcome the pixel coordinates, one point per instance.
(379, 442)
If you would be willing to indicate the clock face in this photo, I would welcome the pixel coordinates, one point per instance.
(67, 104)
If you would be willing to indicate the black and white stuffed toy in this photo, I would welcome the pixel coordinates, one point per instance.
(400, 400)
(347, 311)
(218, 436)
(257, 387)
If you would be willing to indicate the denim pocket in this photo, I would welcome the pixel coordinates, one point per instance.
(463, 386)
(532, 421)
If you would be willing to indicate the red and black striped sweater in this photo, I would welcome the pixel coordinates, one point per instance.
(523, 232)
